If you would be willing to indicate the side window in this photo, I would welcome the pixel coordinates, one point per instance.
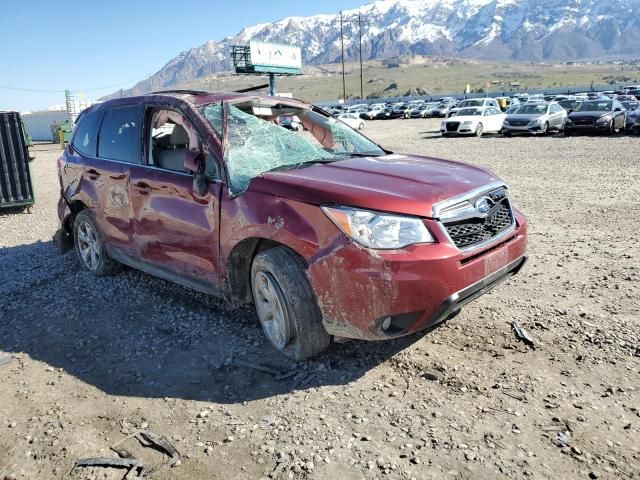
(171, 136)
(85, 138)
(120, 134)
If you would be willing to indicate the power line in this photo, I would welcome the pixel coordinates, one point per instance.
(6, 87)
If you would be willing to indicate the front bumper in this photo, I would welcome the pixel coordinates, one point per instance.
(469, 129)
(518, 129)
(593, 127)
(633, 125)
(375, 295)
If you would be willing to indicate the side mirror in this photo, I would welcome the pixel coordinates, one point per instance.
(194, 162)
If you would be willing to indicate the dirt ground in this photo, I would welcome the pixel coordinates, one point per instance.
(90, 361)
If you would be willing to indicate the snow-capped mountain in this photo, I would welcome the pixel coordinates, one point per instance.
(519, 30)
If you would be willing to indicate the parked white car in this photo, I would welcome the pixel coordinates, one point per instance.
(353, 120)
(474, 121)
(474, 102)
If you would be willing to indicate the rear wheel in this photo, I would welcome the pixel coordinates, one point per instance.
(479, 130)
(286, 305)
(89, 246)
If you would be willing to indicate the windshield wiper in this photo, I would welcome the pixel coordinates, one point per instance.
(359, 154)
(302, 164)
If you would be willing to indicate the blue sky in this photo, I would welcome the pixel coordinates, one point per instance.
(83, 45)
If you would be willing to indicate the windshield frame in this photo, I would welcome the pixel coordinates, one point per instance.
(594, 102)
(339, 133)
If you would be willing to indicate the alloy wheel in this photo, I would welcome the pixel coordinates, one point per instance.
(270, 306)
(89, 246)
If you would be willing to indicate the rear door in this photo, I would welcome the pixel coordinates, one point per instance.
(106, 164)
(176, 229)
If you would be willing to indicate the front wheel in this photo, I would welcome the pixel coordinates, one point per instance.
(545, 128)
(479, 130)
(286, 305)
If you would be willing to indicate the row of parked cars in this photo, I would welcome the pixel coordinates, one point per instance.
(603, 114)
(607, 112)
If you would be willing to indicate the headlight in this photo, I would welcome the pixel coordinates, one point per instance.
(568, 120)
(534, 122)
(604, 119)
(379, 230)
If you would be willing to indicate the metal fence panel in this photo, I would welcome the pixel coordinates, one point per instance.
(15, 177)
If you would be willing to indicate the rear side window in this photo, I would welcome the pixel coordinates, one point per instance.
(85, 139)
(121, 134)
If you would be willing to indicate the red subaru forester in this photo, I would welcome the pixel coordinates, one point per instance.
(325, 232)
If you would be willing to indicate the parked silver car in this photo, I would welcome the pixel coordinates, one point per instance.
(443, 109)
(538, 118)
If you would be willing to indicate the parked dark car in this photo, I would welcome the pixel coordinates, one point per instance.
(397, 112)
(633, 121)
(326, 233)
(605, 116)
(630, 105)
(384, 114)
(569, 105)
(635, 93)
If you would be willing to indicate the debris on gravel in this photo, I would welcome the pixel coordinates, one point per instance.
(93, 360)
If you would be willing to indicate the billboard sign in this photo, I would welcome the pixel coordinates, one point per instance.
(275, 57)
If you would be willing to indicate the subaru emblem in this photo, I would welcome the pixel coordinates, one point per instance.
(483, 205)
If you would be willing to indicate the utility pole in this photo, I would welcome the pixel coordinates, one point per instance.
(344, 85)
(360, 21)
(361, 77)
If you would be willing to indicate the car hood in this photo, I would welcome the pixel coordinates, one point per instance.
(464, 118)
(524, 116)
(588, 114)
(393, 183)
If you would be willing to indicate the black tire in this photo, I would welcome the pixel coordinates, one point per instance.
(308, 336)
(479, 130)
(507, 133)
(567, 132)
(105, 265)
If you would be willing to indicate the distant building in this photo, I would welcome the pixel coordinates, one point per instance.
(38, 124)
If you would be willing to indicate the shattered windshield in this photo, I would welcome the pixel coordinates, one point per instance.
(257, 144)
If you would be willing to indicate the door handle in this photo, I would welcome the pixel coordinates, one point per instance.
(93, 174)
(142, 187)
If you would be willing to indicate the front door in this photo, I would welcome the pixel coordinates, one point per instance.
(176, 229)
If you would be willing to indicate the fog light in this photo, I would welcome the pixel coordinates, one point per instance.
(386, 323)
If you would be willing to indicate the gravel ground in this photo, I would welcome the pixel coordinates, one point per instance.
(89, 361)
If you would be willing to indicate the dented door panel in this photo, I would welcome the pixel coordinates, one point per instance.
(102, 186)
(174, 227)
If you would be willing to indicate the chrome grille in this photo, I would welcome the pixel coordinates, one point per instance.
(476, 217)
(469, 232)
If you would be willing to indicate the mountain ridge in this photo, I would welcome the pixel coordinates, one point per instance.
(512, 30)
